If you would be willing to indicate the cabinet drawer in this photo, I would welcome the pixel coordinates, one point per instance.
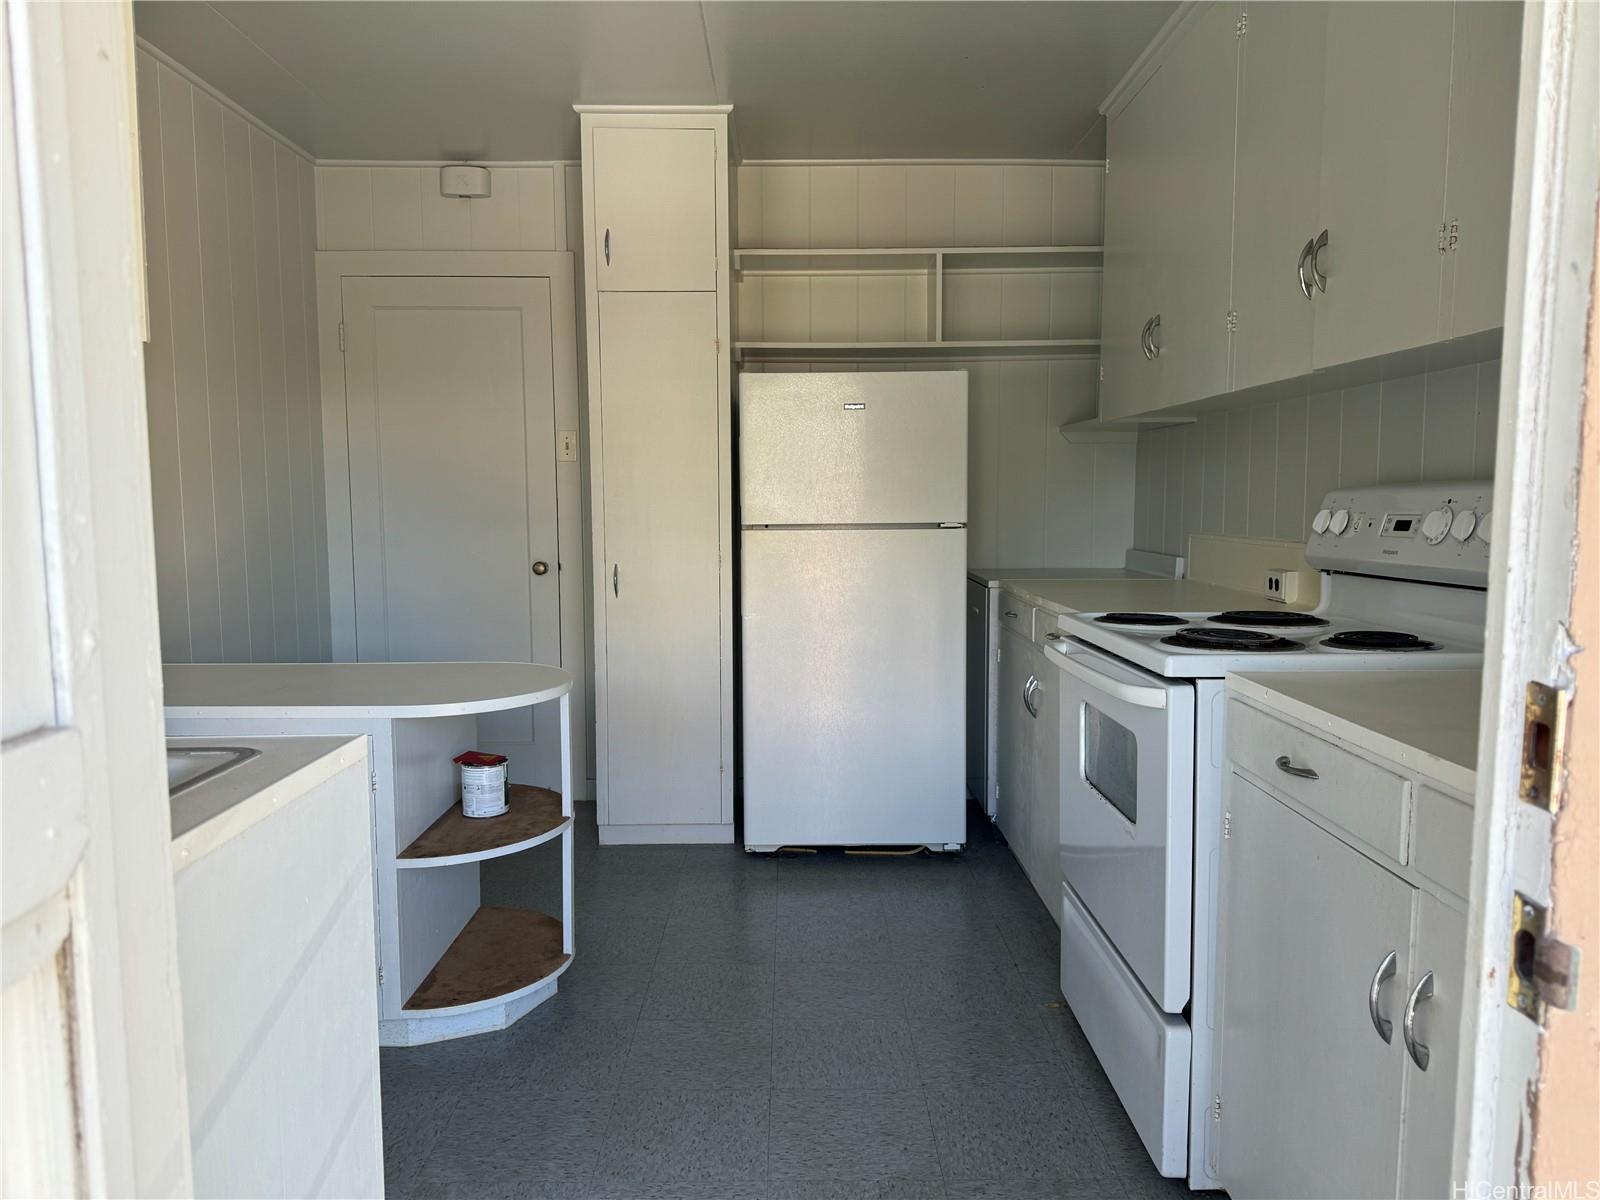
(1016, 615)
(1441, 840)
(1362, 799)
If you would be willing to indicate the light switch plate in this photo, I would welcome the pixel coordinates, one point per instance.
(567, 446)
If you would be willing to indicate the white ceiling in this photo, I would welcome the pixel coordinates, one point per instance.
(431, 79)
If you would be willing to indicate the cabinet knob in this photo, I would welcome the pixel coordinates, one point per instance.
(540, 567)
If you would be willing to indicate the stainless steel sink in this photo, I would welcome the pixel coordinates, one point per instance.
(190, 766)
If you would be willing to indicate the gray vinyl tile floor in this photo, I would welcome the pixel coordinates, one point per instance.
(806, 1027)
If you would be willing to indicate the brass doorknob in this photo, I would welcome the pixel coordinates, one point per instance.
(539, 568)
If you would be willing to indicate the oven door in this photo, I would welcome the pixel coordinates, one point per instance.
(1127, 810)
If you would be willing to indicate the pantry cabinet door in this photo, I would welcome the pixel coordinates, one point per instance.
(1483, 134)
(1130, 383)
(655, 223)
(1430, 1121)
(659, 689)
(1385, 117)
(1310, 1093)
(1044, 826)
(1198, 99)
(1275, 202)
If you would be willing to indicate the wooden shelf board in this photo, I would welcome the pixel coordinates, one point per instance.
(906, 251)
(534, 815)
(499, 952)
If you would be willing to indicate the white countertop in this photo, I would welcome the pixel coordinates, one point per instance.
(219, 809)
(996, 576)
(317, 690)
(1424, 720)
(1130, 594)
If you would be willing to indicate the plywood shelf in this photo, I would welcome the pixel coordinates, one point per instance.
(499, 953)
(533, 816)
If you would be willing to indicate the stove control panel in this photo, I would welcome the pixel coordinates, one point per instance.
(1432, 531)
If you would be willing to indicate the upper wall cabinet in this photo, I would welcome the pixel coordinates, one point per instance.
(1297, 187)
(1169, 191)
(653, 230)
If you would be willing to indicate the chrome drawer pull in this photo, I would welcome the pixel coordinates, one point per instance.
(1012, 613)
(1305, 253)
(1384, 973)
(1408, 1027)
(1286, 765)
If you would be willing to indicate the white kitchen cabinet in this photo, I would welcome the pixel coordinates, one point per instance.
(660, 472)
(1028, 807)
(1385, 120)
(1195, 186)
(655, 229)
(1483, 135)
(1130, 380)
(1439, 957)
(1275, 206)
(1043, 843)
(1310, 1091)
(1015, 757)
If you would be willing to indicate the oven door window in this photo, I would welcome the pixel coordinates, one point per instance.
(1111, 761)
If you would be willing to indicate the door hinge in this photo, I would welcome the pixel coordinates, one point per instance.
(1233, 321)
(1216, 1107)
(341, 337)
(1227, 825)
(1544, 969)
(997, 654)
(1242, 25)
(1444, 232)
(1544, 744)
(1453, 234)
(1108, 164)
(380, 976)
(1102, 374)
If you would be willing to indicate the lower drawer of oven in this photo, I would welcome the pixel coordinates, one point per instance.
(1143, 1051)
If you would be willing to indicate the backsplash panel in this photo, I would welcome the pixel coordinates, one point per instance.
(1262, 471)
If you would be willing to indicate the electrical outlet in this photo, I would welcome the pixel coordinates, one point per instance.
(1282, 586)
(567, 446)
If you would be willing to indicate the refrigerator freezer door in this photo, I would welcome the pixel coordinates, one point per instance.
(853, 687)
(864, 448)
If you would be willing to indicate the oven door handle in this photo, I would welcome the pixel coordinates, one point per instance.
(1131, 693)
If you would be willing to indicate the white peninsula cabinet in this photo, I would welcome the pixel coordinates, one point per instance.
(1342, 933)
(1296, 187)
(1028, 803)
(655, 212)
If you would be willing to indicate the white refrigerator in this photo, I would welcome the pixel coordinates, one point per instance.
(853, 511)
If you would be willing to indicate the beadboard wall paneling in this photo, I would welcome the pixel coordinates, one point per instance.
(1263, 471)
(1034, 499)
(235, 416)
(867, 204)
(398, 207)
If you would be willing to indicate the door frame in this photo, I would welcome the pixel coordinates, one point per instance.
(1548, 355)
(556, 266)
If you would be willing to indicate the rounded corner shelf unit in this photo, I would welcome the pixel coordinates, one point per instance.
(500, 955)
(533, 816)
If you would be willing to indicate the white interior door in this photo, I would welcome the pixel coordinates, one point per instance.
(450, 400)
(654, 231)
(660, 579)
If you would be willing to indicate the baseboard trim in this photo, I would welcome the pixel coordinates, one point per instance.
(665, 835)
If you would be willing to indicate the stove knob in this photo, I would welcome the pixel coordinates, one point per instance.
(1339, 522)
(1461, 528)
(1436, 525)
(1484, 524)
(1319, 523)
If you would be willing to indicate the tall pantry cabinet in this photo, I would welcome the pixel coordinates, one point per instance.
(655, 219)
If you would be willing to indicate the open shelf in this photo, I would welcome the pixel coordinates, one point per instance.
(498, 953)
(533, 816)
(907, 257)
(812, 351)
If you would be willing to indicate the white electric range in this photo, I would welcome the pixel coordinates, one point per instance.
(1405, 573)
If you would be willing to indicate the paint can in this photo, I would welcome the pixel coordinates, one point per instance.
(483, 783)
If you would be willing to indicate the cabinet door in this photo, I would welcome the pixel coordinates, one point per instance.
(1385, 117)
(655, 210)
(1044, 836)
(978, 665)
(1483, 135)
(1197, 99)
(1310, 1093)
(661, 679)
(1129, 382)
(1430, 1123)
(1012, 809)
(1275, 202)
